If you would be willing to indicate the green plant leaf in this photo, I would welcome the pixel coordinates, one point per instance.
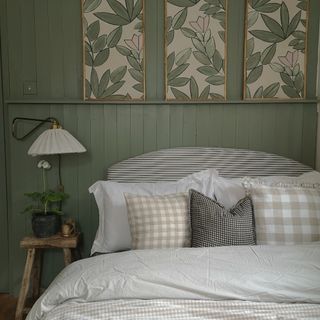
(94, 82)
(216, 96)
(178, 82)
(254, 74)
(288, 70)
(168, 23)
(137, 75)
(273, 26)
(223, 4)
(268, 54)
(170, 61)
(294, 23)
(123, 50)
(215, 80)
(286, 79)
(207, 70)
(250, 46)
(179, 19)
(253, 60)
(88, 59)
(183, 3)
(189, 33)
(198, 45)
(296, 69)
(268, 8)
(205, 93)
(177, 71)
(194, 89)
(252, 18)
(112, 89)
(87, 88)
(93, 30)
(183, 56)
(90, 5)
(299, 82)
(212, 10)
(179, 95)
(266, 36)
(247, 92)
(217, 60)
(258, 93)
(170, 36)
(272, 90)
(290, 92)
(137, 9)
(101, 57)
(111, 18)
(303, 5)
(130, 5)
(207, 35)
(138, 87)
(114, 37)
(118, 74)
(284, 15)
(301, 35)
(104, 81)
(119, 9)
(100, 43)
(134, 63)
(222, 35)
(202, 58)
(210, 48)
(277, 67)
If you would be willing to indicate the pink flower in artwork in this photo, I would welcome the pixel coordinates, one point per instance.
(201, 25)
(135, 43)
(290, 59)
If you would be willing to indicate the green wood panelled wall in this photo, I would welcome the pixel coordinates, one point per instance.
(41, 45)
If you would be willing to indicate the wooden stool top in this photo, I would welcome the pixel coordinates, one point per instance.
(56, 241)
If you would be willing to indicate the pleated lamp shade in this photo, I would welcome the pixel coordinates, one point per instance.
(55, 141)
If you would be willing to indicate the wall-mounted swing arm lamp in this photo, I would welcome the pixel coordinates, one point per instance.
(53, 141)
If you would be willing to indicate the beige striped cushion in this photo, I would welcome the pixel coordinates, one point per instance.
(286, 215)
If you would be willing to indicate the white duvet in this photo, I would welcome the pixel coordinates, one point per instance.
(282, 274)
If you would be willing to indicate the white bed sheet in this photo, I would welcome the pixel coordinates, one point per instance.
(269, 274)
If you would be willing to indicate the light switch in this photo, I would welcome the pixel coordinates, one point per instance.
(29, 87)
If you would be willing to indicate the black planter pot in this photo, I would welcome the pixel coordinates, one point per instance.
(45, 225)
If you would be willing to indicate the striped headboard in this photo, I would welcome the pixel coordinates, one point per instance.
(176, 163)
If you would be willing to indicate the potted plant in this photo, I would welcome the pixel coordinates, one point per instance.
(46, 207)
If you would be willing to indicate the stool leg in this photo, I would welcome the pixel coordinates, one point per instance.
(67, 256)
(25, 284)
(36, 275)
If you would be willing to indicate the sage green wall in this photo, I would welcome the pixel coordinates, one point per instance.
(41, 44)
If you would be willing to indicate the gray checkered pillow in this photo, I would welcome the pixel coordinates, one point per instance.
(286, 215)
(159, 221)
(212, 225)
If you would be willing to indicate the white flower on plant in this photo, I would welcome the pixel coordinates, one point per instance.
(201, 25)
(290, 59)
(43, 164)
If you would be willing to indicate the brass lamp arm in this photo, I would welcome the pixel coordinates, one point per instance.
(54, 121)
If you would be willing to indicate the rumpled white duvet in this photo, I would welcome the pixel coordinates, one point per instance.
(281, 274)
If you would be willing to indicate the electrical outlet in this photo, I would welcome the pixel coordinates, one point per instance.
(29, 87)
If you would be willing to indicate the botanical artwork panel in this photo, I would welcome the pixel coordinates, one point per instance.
(113, 49)
(195, 49)
(275, 49)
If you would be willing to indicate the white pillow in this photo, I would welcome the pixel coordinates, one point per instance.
(113, 232)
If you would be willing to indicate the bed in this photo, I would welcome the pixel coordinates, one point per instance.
(260, 261)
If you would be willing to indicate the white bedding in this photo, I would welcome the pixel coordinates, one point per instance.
(271, 274)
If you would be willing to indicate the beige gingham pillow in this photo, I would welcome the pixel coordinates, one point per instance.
(286, 215)
(159, 221)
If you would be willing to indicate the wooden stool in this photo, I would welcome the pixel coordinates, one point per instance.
(32, 269)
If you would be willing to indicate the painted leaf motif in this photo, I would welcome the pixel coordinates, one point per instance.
(118, 74)
(111, 18)
(268, 8)
(202, 58)
(216, 96)
(177, 71)
(194, 89)
(170, 36)
(137, 75)
(168, 23)
(222, 35)
(253, 60)
(273, 26)
(296, 69)
(88, 59)
(272, 90)
(277, 67)
(294, 23)
(100, 43)
(101, 57)
(179, 95)
(254, 74)
(290, 92)
(94, 81)
(123, 50)
(189, 33)
(205, 93)
(210, 48)
(104, 81)
(266, 36)
(215, 80)
(207, 70)
(198, 45)
(248, 93)
(134, 63)
(183, 3)
(137, 9)
(298, 81)
(268, 54)
(284, 16)
(119, 9)
(303, 5)
(252, 18)
(258, 93)
(130, 5)
(138, 87)
(301, 35)
(93, 30)
(112, 89)
(178, 82)
(250, 46)
(183, 56)
(87, 88)
(114, 37)
(179, 19)
(90, 5)
(217, 60)
(286, 79)
(170, 61)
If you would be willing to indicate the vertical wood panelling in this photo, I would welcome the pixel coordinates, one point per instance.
(189, 126)
(203, 125)
(163, 127)
(136, 130)
(176, 126)
(123, 131)
(149, 128)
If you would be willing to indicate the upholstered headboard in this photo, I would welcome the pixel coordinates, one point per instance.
(176, 163)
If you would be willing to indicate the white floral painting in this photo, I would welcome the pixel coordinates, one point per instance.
(113, 49)
(276, 34)
(195, 49)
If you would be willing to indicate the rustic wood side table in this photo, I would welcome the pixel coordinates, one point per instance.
(33, 266)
